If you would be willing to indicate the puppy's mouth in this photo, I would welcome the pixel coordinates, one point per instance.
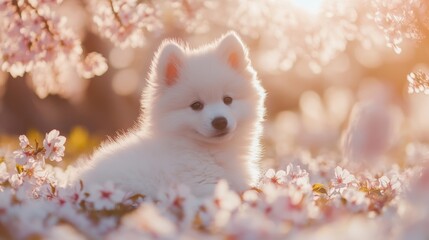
(220, 134)
(216, 136)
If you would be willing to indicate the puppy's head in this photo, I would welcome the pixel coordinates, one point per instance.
(209, 94)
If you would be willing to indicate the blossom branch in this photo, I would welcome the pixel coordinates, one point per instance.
(18, 9)
(44, 20)
(115, 13)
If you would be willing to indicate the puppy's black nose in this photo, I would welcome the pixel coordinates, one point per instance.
(219, 123)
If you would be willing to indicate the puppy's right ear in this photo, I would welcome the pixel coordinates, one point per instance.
(232, 50)
(169, 61)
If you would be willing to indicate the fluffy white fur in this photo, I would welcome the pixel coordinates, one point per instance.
(174, 144)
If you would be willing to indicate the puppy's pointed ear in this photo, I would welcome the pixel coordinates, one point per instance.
(233, 51)
(169, 61)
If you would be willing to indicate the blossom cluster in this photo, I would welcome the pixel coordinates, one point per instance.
(400, 21)
(418, 82)
(35, 39)
(284, 30)
(298, 201)
(125, 23)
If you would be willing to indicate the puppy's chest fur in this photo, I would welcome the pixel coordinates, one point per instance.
(204, 166)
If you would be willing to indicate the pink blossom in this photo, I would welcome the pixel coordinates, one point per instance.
(16, 180)
(271, 176)
(390, 184)
(23, 141)
(356, 201)
(124, 22)
(105, 196)
(36, 39)
(398, 20)
(250, 197)
(23, 156)
(34, 171)
(179, 201)
(418, 81)
(295, 172)
(93, 65)
(291, 205)
(298, 177)
(26, 154)
(73, 194)
(54, 146)
(225, 198)
(343, 179)
(217, 210)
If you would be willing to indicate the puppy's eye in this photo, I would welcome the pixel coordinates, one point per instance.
(227, 100)
(197, 106)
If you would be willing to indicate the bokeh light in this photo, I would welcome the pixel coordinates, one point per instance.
(126, 82)
(312, 6)
(121, 58)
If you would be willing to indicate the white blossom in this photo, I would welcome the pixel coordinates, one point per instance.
(105, 196)
(54, 146)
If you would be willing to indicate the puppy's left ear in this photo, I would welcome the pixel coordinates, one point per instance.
(233, 51)
(168, 62)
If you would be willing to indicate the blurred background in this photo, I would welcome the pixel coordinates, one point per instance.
(348, 76)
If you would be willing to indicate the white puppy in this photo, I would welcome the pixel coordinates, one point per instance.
(201, 122)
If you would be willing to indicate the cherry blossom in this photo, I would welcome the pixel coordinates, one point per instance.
(271, 176)
(398, 20)
(105, 196)
(125, 22)
(216, 211)
(23, 156)
(224, 198)
(34, 201)
(356, 200)
(37, 40)
(54, 146)
(15, 180)
(343, 179)
(26, 153)
(93, 65)
(297, 176)
(180, 203)
(23, 141)
(390, 186)
(291, 206)
(34, 171)
(418, 82)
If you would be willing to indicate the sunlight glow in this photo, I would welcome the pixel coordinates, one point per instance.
(311, 6)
